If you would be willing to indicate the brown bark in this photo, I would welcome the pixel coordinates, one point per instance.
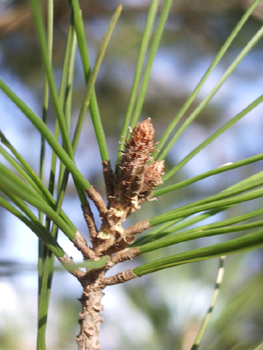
(137, 228)
(81, 244)
(90, 318)
(67, 261)
(88, 216)
(98, 201)
(126, 254)
(120, 278)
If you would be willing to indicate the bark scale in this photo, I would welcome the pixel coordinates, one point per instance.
(90, 317)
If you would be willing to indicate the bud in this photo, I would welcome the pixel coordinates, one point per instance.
(141, 139)
(135, 177)
(153, 175)
(133, 161)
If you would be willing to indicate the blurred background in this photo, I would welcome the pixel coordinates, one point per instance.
(162, 310)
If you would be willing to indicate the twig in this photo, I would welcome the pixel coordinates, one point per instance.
(81, 244)
(119, 278)
(126, 254)
(88, 215)
(98, 201)
(137, 228)
(67, 261)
